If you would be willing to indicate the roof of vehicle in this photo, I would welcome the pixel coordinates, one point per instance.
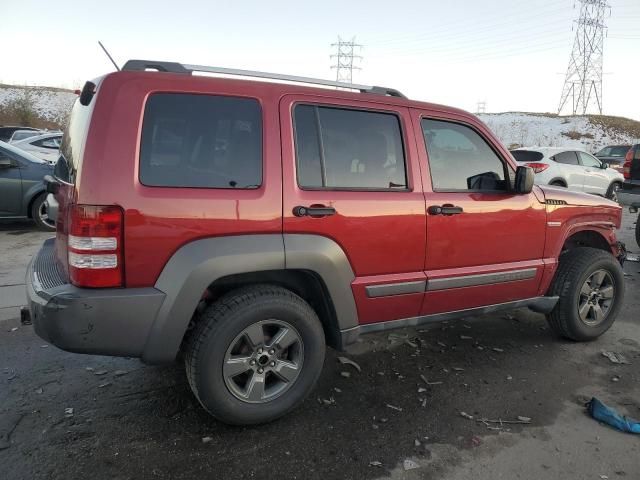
(549, 151)
(19, 127)
(295, 84)
(21, 153)
(38, 137)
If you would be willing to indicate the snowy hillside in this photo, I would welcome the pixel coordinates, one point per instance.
(50, 104)
(588, 132)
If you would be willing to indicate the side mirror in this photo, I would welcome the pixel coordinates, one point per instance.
(524, 179)
(604, 165)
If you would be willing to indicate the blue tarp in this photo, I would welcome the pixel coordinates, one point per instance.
(608, 415)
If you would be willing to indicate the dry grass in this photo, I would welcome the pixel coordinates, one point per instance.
(616, 124)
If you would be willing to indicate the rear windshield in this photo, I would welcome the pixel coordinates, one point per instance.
(204, 141)
(73, 141)
(615, 151)
(527, 155)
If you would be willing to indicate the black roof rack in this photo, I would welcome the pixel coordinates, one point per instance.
(174, 67)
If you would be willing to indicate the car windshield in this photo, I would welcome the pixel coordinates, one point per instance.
(20, 153)
(614, 151)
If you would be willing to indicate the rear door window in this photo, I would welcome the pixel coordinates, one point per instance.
(348, 149)
(204, 141)
(568, 158)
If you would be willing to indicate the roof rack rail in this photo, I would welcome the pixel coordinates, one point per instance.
(174, 67)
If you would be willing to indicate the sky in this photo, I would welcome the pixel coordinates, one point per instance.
(511, 54)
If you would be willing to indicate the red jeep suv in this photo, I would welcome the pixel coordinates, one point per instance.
(248, 224)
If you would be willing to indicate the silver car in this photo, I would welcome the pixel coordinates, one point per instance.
(45, 146)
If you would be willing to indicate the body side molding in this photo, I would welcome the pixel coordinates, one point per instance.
(537, 304)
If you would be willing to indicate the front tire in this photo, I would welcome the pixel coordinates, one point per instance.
(638, 230)
(40, 215)
(590, 284)
(255, 355)
(612, 191)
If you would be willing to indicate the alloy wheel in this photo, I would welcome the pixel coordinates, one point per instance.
(596, 298)
(43, 214)
(263, 361)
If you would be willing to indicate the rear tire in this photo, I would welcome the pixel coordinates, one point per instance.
(590, 284)
(638, 230)
(39, 214)
(255, 355)
(612, 191)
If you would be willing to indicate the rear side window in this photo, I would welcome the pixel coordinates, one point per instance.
(527, 155)
(348, 149)
(460, 159)
(568, 158)
(201, 141)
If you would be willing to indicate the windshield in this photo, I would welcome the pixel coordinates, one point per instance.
(20, 153)
(614, 151)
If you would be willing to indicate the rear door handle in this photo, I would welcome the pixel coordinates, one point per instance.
(446, 209)
(313, 211)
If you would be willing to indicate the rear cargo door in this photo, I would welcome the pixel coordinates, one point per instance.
(350, 174)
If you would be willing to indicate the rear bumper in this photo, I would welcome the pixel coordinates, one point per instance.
(97, 321)
(629, 194)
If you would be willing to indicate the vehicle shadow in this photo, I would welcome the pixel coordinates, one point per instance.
(19, 227)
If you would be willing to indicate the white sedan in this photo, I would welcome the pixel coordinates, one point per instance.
(45, 146)
(572, 169)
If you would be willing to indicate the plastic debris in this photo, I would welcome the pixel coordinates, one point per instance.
(422, 390)
(614, 357)
(375, 463)
(496, 349)
(524, 419)
(345, 374)
(39, 390)
(119, 373)
(68, 412)
(466, 415)
(417, 443)
(509, 377)
(89, 369)
(14, 329)
(105, 384)
(393, 407)
(101, 372)
(207, 439)
(633, 257)
(409, 465)
(336, 389)
(458, 369)
(608, 415)
(465, 337)
(347, 361)
(424, 402)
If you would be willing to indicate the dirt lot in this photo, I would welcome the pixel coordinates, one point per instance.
(131, 421)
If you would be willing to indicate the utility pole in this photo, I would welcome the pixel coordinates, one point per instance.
(481, 107)
(345, 58)
(583, 81)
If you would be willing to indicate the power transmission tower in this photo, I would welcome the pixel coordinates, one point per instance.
(583, 81)
(345, 58)
(481, 107)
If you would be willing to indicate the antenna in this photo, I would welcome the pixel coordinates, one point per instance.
(107, 54)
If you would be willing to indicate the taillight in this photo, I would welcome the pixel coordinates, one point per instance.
(626, 168)
(538, 167)
(95, 246)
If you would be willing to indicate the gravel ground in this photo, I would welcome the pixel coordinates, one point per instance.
(131, 421)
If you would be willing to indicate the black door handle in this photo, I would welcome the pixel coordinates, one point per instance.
(446, 209)
(319, 211)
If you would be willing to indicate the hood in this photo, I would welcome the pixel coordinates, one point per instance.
(575, 198)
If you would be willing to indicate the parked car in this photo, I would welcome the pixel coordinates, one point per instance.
(572, 169)
(613, 155)
(629, 195)
(6, 132)
(45, 146)
(250, 223)
(22, 191)
(23, 134)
